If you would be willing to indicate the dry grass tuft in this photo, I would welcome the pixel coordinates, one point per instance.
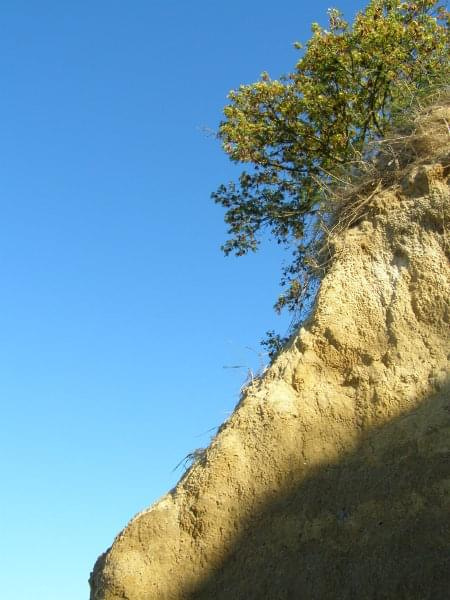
(422, 138)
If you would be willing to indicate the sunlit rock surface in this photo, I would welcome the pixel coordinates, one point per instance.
(332, 477)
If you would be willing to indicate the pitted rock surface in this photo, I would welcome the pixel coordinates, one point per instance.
(331, 479)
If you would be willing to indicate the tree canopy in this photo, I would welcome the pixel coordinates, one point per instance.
(295, 132)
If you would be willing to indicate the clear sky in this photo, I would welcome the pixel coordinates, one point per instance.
(118, 312)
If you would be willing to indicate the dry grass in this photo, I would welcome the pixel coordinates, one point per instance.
(422, 138)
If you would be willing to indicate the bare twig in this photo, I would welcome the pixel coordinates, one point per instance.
(191, 458)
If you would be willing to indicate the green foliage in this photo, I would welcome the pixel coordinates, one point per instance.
(273, 343)
(296, 133)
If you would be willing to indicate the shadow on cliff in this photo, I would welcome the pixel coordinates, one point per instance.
(375, 525)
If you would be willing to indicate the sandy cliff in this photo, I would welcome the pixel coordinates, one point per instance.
(332, 477)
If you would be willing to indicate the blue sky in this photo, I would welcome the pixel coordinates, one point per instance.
(118, 312)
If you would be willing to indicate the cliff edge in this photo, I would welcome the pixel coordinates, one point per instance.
(331, 480)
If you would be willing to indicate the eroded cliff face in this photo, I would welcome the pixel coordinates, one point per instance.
(332, 477)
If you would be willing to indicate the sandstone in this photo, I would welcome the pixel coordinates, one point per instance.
(331, 479)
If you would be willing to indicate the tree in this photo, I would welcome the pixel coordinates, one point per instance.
(297, 132)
